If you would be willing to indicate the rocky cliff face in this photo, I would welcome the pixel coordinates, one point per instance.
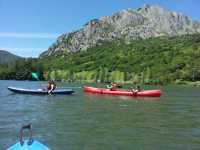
(147, 21)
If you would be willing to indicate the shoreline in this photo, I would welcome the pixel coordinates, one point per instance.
(177, 82)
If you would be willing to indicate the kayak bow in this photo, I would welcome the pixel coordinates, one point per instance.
(29, 144)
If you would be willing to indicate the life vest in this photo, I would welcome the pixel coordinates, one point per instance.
(50, 84)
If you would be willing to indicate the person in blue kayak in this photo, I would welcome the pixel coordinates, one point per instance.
(112, 86)
(51, 86)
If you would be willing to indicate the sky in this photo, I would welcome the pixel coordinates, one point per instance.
(29, 27)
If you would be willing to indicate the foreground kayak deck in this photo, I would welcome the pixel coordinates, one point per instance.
(29, 144)
(40, 91)
(143, 93)
(34, 146)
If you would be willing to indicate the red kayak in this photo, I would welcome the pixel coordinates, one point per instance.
(125, 92)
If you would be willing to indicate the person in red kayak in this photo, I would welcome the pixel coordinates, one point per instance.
(112, 86)
(138, 89)
(51, 86)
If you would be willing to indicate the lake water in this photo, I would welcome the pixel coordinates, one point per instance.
(99, 122)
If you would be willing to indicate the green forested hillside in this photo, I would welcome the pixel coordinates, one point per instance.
(151, 61)
(21, 69)
(154, 60)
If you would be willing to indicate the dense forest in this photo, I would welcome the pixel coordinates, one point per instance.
(21, 69)
(151, 61)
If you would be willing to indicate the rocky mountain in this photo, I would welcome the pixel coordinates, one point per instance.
(6, 57)
(145, 22)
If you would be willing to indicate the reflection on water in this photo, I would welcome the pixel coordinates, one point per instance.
(118, 97)
(92, 121)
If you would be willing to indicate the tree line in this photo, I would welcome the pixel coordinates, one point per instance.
(150, 61)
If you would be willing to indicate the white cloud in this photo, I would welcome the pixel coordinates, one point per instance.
(29, 35)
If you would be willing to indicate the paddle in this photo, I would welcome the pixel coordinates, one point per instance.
(36, 76)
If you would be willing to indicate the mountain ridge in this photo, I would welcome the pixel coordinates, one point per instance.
(7, 57)
(129, 24)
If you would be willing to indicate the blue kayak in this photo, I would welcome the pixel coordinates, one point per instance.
(35, 145)
(40, 91)
(29, 144)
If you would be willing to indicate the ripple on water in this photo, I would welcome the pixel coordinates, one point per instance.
(85, 121)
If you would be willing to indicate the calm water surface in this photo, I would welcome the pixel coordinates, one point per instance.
(99, 122)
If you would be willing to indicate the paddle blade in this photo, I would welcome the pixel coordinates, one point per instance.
(35, 75)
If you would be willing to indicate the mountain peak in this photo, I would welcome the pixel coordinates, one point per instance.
(128, 24)
(148, 7)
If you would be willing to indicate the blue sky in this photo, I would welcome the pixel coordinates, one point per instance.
(29, 27)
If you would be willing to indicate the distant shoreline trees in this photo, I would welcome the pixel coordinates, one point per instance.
(158, 60)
